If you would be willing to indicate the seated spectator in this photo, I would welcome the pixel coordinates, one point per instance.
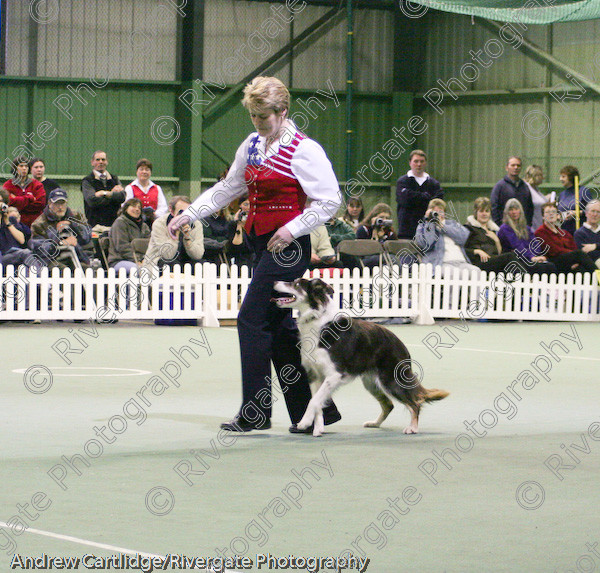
(128, 226)
(587, 237)
(187, 248)
(25, 193)
(149, 193)
(103, 194)
(483, 245)
(414, 191)
(322, 253)
(559, 246)
(440, 240)
(534, 177)
(219, 230)
(239, 247)
(58, 230)
(377, 225)
(14, 237)
(338, 231)
(566, 198)
(38, 172)
(354, 212)
(516, 236)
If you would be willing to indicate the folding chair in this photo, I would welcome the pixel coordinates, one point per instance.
(104, 242)
(140, 246)
(361, 248)
(399, 251)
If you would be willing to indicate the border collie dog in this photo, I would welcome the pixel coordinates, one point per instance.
(337, 348)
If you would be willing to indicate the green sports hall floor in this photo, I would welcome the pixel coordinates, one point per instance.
(495, 504)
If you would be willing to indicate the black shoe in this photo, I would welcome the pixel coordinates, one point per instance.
(328, 419)
(239, 424)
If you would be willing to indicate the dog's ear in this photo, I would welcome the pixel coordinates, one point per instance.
(321, 288)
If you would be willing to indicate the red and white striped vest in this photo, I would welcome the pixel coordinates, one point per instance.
(275, 194)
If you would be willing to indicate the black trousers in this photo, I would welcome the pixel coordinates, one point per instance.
(511, 262)
(268, 334)
(564, 261)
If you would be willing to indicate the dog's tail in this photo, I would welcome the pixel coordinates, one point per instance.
(434, 394)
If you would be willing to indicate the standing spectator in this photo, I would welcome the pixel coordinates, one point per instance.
(187, 247)
(566, 199)
(511, 187)
(413, 193)
(515, 235)
(588, 234)
(533, 177)
(148, 192)
(559, 245)
(59, 228)
(25, 193)
(128, 226)
(354, 212)
(102, 193)
(38, 172)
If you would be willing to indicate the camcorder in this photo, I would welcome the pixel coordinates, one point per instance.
(381, 222)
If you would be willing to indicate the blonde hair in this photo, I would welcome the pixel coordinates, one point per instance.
(265, 92)
(531, 173)
(481, 204)
(520, 226)
(437, 203)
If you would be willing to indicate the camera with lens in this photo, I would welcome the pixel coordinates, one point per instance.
(381, 222)
(3, 208)
(433, 216)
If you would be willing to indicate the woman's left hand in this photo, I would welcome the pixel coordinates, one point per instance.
(280, 240)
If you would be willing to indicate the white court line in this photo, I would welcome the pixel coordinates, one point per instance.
(127, 371)
(508, 352)
(84, 541)
(94, 544)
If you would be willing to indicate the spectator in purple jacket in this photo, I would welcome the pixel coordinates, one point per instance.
(515, 235)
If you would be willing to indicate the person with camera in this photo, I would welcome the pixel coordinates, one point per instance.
(59, 233)
(441, 240)
(14, 236)
(239, 248)
(186, 247)
(377, 225)
(278, 167)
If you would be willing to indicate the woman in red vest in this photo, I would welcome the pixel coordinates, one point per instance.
(26, 194)
(148, 192)
(278, 167)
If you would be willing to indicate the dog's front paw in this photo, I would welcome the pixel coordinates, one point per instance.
(304, 423)
(411, 430)
(374, 424)
(319, 427)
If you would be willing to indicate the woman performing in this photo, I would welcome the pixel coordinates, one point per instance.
(278, 167)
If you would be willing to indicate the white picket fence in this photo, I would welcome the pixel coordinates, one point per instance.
(208, 293)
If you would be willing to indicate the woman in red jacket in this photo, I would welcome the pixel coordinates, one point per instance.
(26, 194)
(558, 245)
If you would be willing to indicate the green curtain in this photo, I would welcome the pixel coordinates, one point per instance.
(523, 11)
